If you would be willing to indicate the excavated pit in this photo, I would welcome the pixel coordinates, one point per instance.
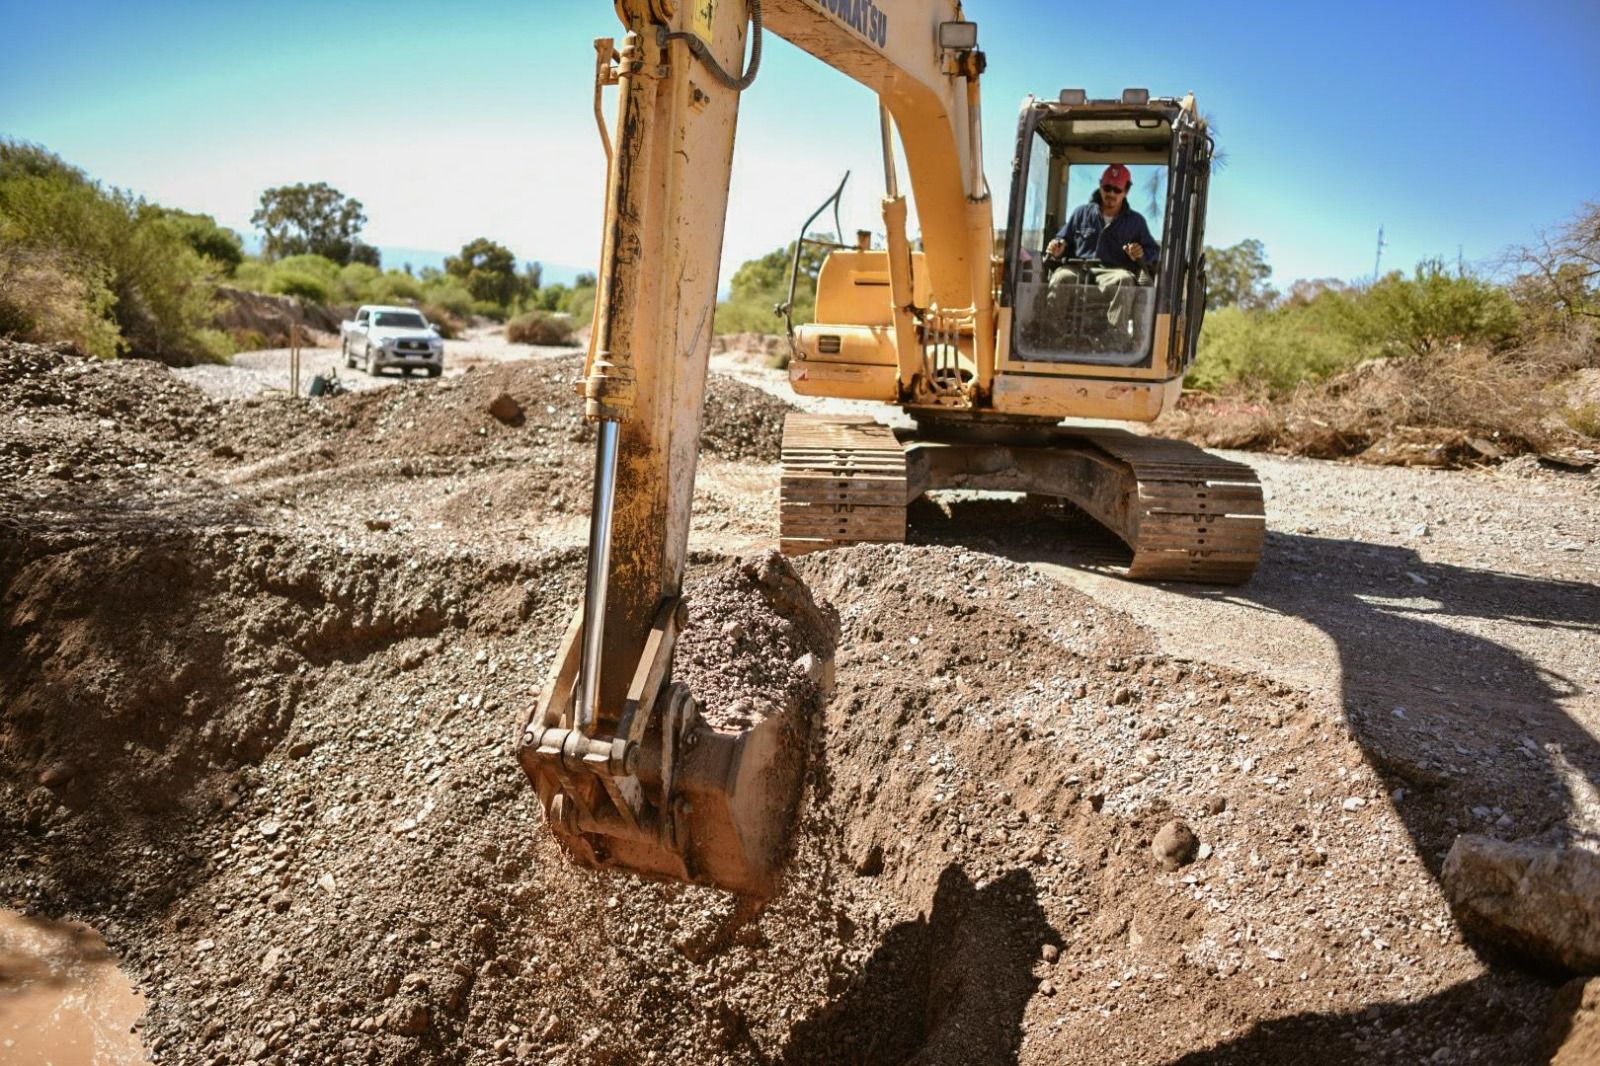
(259, 700)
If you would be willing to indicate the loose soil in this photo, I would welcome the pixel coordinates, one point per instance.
(265, 658)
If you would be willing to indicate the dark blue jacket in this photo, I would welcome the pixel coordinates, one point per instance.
(1089, 236)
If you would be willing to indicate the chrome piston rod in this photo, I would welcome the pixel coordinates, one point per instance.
(594, 590)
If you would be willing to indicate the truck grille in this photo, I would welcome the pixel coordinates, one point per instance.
(413, 346)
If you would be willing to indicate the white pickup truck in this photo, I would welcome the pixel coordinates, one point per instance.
(382, 336)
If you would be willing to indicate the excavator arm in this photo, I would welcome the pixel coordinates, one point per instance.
(629, 775)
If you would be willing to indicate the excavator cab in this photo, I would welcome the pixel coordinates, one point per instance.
(1069, 309)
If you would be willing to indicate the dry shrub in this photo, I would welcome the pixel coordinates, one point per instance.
(540, 327)
(449, 326)
(1584, 419)
(43, 300)
(1454, 407)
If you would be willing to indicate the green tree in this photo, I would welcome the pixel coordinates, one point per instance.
(125, 261)
(312, 219)
(487, 269)
(1433, 307)
(762, 283)
(202, 233)
(1236, 276)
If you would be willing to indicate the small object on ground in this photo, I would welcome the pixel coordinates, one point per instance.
(409, 1020)
(1531, 896)
(1175, 845)
(327, 384)
(506, 409)
(56, 774)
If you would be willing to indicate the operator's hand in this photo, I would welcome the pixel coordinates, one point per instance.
(1055, 248)
(1135, 250)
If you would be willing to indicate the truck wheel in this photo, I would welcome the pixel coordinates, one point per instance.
(367, 365)
(433, 371)
(405, 370)
(349, 360)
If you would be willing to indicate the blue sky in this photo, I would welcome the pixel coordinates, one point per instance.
(1457, 125)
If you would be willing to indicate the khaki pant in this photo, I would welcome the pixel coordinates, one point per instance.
(1121, 285)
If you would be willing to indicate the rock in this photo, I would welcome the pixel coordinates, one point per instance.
(379, 525)
(56, 774)
(1050, 953)
(1047, 987)
(1573, 1038)
(506, 409)
(1215, 804)
(301, 748)
(1536, 899)
(408, 1020)
(1354, 803)
(1175, 845)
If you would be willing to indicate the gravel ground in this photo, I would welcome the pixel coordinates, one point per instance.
(265, 656)
(267, 372)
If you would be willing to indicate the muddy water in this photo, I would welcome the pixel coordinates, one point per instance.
(63, 1002)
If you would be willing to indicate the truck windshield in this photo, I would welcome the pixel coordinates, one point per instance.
(400, 319)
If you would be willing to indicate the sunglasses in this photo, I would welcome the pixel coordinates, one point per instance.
(1119, 190)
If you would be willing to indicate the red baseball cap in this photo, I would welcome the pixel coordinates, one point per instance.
(1116, 174)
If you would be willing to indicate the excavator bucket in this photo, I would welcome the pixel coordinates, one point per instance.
(680, 790)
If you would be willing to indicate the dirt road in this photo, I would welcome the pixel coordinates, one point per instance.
(263, 657)
(265, 372)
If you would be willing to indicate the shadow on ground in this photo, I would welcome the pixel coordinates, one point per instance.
(948, 988)
(1432, 699)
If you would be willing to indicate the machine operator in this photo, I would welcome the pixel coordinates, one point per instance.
(1108, 230)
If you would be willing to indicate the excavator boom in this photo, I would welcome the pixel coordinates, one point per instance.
(629, 773)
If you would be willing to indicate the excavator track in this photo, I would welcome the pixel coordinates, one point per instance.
(844, 482)
(1190, 515)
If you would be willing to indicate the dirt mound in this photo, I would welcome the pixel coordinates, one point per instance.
(258, 724)
(453, 419)
(972, 880)
(266, 320)
(78, 419)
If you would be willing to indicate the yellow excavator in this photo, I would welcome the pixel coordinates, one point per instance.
(985, 347)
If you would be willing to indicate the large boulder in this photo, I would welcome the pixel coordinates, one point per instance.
(1536, 898)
